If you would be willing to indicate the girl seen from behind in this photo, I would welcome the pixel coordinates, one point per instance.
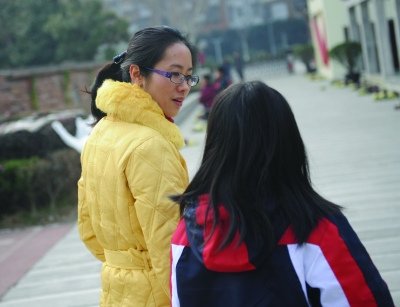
(253, 231)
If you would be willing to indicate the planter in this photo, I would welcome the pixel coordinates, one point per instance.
(353, 77)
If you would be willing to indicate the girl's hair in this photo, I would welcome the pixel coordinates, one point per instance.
(146, 48)
(255, 162)
(207, 78)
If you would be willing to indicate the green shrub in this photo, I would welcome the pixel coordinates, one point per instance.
(33, 94)
(58, 176)
(347, 54)
(13, 185)
(305, 53)
(39, 185)
(259, 56)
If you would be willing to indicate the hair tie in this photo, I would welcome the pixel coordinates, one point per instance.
(119, 58)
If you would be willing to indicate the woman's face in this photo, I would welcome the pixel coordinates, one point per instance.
(169, 96)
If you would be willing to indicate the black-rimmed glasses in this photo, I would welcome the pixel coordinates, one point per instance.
(177, 77)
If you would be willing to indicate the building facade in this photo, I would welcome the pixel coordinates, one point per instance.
(376, 25)
(372, 23)
(208, 15)
(327, 23)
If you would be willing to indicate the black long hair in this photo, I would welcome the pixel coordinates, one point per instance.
(254, 157)
(146, 48)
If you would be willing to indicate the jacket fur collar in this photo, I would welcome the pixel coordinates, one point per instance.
(132, 104)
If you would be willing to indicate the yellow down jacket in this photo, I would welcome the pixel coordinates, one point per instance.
(130, 164)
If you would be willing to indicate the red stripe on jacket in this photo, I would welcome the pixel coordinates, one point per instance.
(342, 263)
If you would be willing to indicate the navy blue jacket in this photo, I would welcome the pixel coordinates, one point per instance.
(331, 269)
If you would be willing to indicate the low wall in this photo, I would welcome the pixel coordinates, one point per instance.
(46, 89)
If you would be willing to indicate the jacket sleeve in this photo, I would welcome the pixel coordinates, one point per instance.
(339, 266)
(155, 171)
(85, 227)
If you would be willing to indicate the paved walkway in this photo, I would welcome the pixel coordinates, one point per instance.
(354, 150)
(21, 249)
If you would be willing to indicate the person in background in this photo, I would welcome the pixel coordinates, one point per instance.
(222, 81)
(226, 64)
(131, 163)
(239, 65)
(202, 58)
(290, 60)
(207, 95)
(254, 232)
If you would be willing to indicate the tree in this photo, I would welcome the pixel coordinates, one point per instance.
(81, 27)
(41, 32)
(22, 40)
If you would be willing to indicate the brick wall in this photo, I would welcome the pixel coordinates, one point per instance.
(14, 97)
(47, 89)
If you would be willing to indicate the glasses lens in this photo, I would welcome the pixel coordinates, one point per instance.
(177, 78)
(193, 80)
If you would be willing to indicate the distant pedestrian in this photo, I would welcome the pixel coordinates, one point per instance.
(131, 163)
(290, 61)
(202, 58)
(254, 231)
(239, 65)
(222, 80)
(207, 94)
(226, 64)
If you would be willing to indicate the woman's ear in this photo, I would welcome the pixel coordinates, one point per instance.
(136, 77)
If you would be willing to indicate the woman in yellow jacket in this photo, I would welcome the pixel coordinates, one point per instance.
(131, 164)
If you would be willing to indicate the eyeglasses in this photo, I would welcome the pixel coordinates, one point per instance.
(176, 77)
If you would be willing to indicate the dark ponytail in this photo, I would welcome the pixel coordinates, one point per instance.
(112, 71)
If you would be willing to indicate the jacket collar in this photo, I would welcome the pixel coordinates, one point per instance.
(130, 103)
